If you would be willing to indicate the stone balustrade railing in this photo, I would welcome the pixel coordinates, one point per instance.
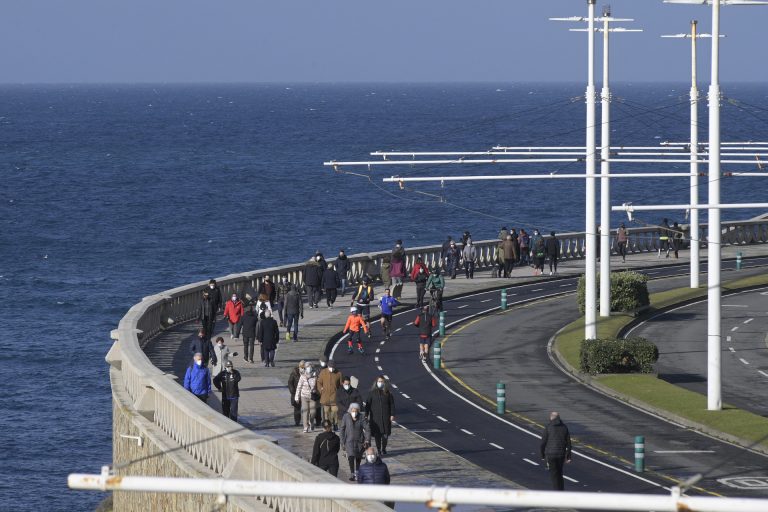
(221, 447)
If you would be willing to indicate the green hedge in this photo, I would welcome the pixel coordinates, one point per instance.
(629, 291)
(618, 355)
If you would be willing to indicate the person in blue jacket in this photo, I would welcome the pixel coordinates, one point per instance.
(387, 304)
(197, 380)
(374, 471)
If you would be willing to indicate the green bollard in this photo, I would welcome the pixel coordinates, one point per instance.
(738, 260)
(501, 398)
(437, 355)
(442, 323)
(504, 299)
(639, 454)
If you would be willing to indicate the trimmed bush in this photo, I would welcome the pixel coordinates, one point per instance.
(618, 355)
(629, 291)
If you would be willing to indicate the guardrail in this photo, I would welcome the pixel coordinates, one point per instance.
(213, 440)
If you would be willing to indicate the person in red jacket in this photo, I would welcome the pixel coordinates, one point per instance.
(426, 323)
(418, 265)
(354, 323)
(233, 312)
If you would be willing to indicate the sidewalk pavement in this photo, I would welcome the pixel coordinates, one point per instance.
(264, 398)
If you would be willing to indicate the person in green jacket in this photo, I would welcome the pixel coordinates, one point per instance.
(436, 285)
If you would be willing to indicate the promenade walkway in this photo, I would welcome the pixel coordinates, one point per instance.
(264, 403)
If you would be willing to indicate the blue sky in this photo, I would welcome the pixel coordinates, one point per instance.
(353, 40)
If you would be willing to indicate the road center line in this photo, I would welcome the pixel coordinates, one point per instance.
(748, 320)
(761, 372)
(464, 306)
(743, 360)
(398, 329)
(380, 368)
(538, 290)
(731, 349)
(727, 338)
(467, 432)
(376, 359)
(565, 285)
(486, 300)
(683, 451)
(393, 386)
(571, 479)
(421, 407)
(442, 419)
(383, 342)
(378, 350)
(496, 446)
(405, 396)
(529, 461)
(735, 328)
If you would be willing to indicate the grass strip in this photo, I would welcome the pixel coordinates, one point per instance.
(657, 393)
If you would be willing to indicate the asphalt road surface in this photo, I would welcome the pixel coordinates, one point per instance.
(432, 405)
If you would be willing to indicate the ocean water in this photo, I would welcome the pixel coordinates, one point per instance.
(111, 193)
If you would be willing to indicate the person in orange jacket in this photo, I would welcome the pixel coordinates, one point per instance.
(354, 323)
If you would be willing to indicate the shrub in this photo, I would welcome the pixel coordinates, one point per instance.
(629, 291)
(618, 355)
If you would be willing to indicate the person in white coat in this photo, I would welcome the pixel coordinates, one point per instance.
(222, 356)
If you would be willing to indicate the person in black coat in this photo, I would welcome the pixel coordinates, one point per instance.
(380, 411)
(293, 382)
(331, 282)
(206, 313)
(203, 345)
(313, 278)
(249, 333)
(342, 269)
(268, 334)
(227, 382)
(215, 292)
(552, 251)
(268, 288)
(556, 449)
(325, 453)
(347, 395)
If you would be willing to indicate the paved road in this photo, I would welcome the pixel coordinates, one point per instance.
(426, 404)
(683, 357)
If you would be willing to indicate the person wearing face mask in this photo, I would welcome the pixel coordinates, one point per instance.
(380, 411)
(197, 379)
(387, 304)
(355, 437)
(331, 282)
(375, 472)
(397, 269)
(282, 290)
(268, 290)
(233, 312)
(342, 269)
(325, 453)
(346, 396)
(206, 313)
(293, 383)
(306, 394)
(222, 354)
(202, 344)
(362, 298)
(420, 276)
(249, 333)
(313, 278)
(227, 382)
(328, 383)
(215, 293)
(354, 325)
(268, 334)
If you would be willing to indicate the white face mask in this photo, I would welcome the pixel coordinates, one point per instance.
(211, 286)
(331, 369)
(234, 298)
(380, 385)
(346, 387)
(317, 258)
(370, 458)
(198, 362)
(353, 414)
(322, 364)
(308, 370)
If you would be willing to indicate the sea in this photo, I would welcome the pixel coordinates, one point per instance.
(114, 192)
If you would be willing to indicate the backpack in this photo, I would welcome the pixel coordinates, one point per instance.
(364, 293)
(540, 248)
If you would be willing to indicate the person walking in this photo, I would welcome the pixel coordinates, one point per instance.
(233, 312)
(621, 241)
(509, 253)
(556, 449)
(328, 383)
(282, 291)
(313, 278)
(331, 283)
(268, 289)
(469, 255)
(420, 276)
(362, 298)
(342, 269)
(293, 384)
(380, 412)
(206, 313)
(552, 252)
(444, 249)
(453, 257)
(386, 265)
(397, 269)
(215, 293)
(204, 347)
(347, 396)
(374, 472)
(387, 304)
(436, 286)
(306, 395)
(524, 239)
(249, 333)
(353, 326)
(228, 383)
(294, 309)
(664, 237)
(426, 323)
(355, 438)
(222, 353)
(677, 238)
(197, 379)
(325, 452)
(268, 334)
(539, 252)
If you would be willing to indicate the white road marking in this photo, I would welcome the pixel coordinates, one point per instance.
(743, 360)
(529, 461)
(428, 431)
(538, 290)
(376, 359)
(735, 306)
(761, 372)
(496, 446)
(467, 432)
(511, 294)
(565, 285)
(409, 323)
(571, 479)
(405, 396)
(731, 349)
(651, 273)
(442, 419)
(380, 368)
(393, 386)
(464, 306)
(486, 300)
(748, 320)
(383, 342)
(386, 377)
(735, 328)
(398, 329)
(421, 407)
(378, 350)
(683, 451)
(727, 338)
